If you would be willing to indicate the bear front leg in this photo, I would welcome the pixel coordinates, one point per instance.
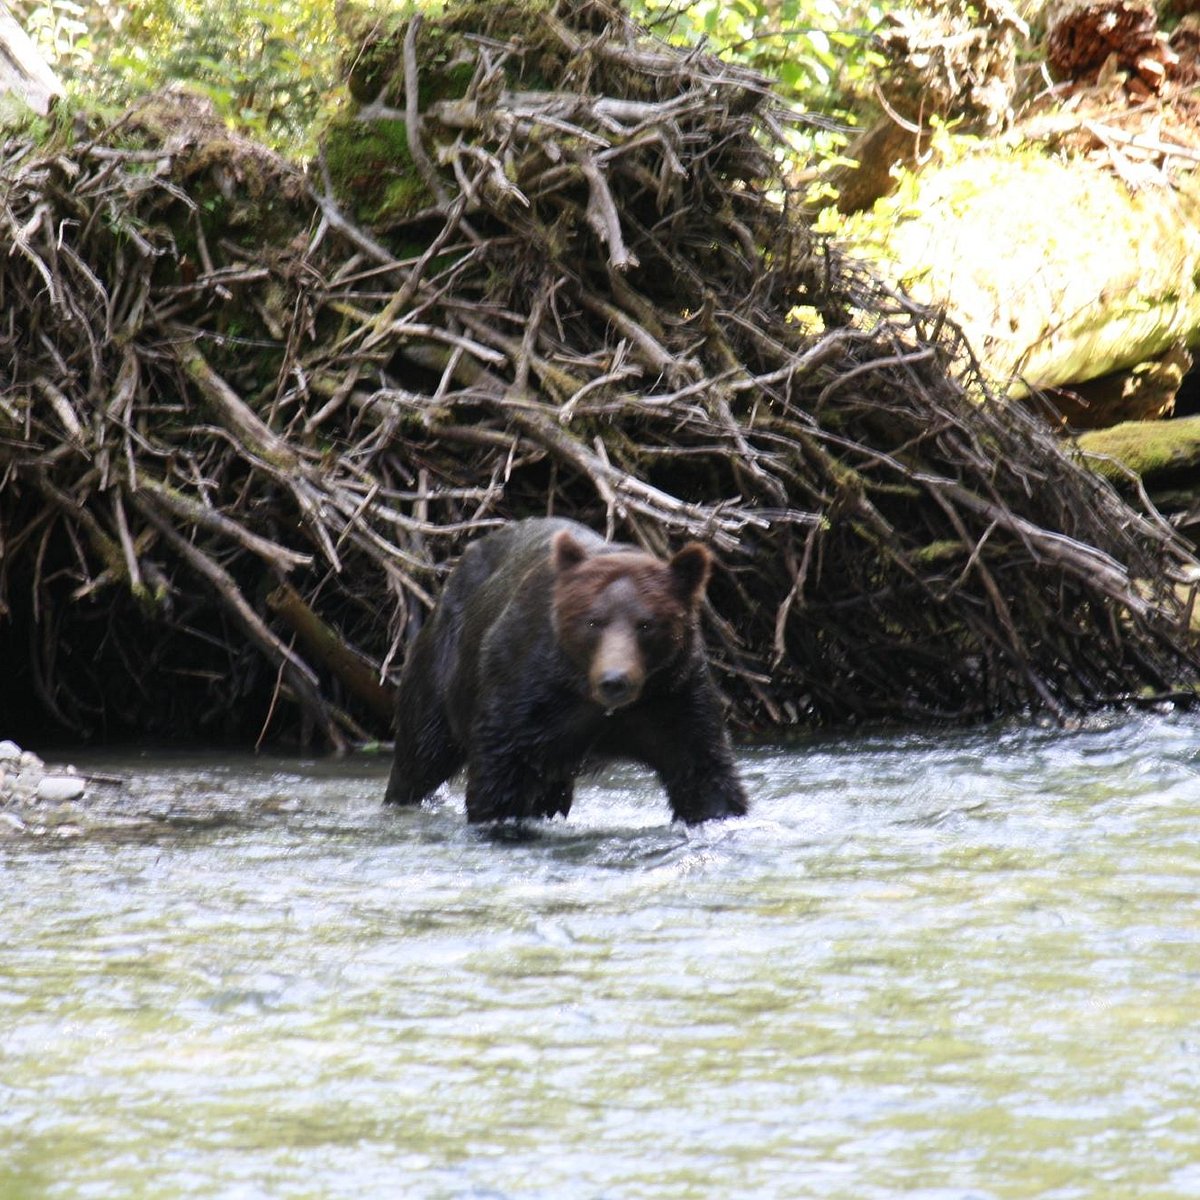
(499, 785)
(524, 752)
(503, 781)
(426, 753)
(512, 773)
(553, 798)
(686, 744)
(511, 782)
(702, 785)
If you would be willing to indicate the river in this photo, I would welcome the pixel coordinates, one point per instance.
(959, 966)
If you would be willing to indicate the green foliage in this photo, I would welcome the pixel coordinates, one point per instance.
(272, 66)
(60, 27)
(267, 65)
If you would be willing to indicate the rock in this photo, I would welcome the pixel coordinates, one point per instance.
(40, 801)
(22, 786)
(57, 789)
(24, 778)
(11, 824)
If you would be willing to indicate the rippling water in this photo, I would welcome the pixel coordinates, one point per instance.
(935, 967)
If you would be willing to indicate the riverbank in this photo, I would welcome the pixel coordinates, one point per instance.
(37, 798)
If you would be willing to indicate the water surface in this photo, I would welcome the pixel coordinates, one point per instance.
(933, 967)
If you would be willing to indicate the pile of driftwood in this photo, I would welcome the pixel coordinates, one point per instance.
(245, 425)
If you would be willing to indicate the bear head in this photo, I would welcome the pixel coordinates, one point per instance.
(622, 615)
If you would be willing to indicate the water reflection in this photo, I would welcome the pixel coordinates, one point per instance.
(925, 966)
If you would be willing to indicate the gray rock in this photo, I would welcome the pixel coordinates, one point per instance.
(11, 824)
(57, 789)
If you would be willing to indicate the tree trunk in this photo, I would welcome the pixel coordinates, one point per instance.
(1058, 272)
(1156, 452)
(23, 72)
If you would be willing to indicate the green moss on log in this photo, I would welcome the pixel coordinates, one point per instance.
(1057, 271)
(940, 551)
(1150, 449)
(372, 168)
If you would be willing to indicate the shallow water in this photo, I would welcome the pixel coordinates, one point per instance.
(933, 967)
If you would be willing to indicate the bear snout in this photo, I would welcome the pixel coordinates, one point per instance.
(614, 689)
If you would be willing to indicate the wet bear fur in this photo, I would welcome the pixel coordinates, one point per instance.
(551, 648)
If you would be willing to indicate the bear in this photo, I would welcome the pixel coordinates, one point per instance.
(549, 649)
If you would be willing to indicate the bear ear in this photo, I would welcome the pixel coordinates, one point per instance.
(690, 569)
(566, 551)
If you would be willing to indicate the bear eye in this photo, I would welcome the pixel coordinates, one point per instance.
(593, 623)
(644, 626)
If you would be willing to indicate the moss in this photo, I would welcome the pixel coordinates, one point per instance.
(937, 552)
(373, 171)
(1045, 299)
(377, 40)
(370, 162)
(375, 70)
(1150, 449)
(403, 196)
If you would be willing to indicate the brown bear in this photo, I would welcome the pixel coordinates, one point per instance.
(551, 647)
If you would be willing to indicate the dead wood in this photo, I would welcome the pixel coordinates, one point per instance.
(1085, 36)
(325, 645)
